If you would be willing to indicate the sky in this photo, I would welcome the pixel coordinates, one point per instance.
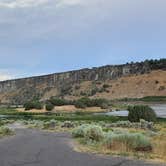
(48, 36)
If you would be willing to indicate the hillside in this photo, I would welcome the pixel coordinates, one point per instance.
(134, 80)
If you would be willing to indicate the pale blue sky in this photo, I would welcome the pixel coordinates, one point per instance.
(46, 36)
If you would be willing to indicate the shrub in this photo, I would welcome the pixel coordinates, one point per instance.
(127, 124)
(138, 112)
(49, 107)
(50, 124)
(79, 131)
(94, 133)
(34, 124)
(58, 102)
(161, 88)
(94, 91)
(66, 90)
(87, 102)
(105, 86)
(104, 106)
(5, 131)
(33, 105)
(67, 124)
(132, 141)
(79, 104)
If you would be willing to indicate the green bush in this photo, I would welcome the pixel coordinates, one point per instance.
(80, 104)
(105, 86)
(138, 112)
(133, 141)
(87, 102)
(50, 124)
(94, 133)
(79, 132)
(58, 101)
(49, 107)
(33, 105)
(5, 131)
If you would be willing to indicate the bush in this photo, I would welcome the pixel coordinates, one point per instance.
(133, 141)
(138, 112)
(59, 102)
(127, 124)
(5, 131)
(67, 124)
(79, 104)
(36, 124)
(50, 124)
(79, 132)
(94, 133)
(105, 86)
(87, 102)
(33, 105)
(49, 107)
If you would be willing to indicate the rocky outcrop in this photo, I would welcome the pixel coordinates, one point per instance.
(20, 90)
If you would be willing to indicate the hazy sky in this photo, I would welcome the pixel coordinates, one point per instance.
(47, 36)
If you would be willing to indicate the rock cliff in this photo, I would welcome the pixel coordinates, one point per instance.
(19, 91)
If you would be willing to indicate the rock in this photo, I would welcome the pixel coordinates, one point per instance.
(19, 91)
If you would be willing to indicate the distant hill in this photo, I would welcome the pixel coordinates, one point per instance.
(131, 80)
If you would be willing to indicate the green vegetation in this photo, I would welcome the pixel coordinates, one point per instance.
(138, 112)
(154, 99)
(87, 102)
(4, 131)
(105, 86)
(79, 131)
(130, 141)
(93, 133)
(145, 99)
(157, 64)
(49, 106)
(58, 101)
(34, 104)
(142, 143)
(138, 125)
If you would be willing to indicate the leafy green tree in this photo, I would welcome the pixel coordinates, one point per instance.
(138, 112)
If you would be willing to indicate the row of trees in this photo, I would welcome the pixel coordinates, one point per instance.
(80, 103)
(136, 112)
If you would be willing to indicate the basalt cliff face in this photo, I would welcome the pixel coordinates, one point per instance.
(71, 84)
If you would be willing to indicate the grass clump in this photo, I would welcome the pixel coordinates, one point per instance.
(79, 132)
(89, 132)
(138, 112)
(4, 131)
(94, 133)
(127, 141)
(121, 140)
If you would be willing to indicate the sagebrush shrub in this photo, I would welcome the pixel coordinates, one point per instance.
(94, 133)
(5, 131)
(133, 141)
(79, 132)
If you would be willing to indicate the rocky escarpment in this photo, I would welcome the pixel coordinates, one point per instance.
(19, 91)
